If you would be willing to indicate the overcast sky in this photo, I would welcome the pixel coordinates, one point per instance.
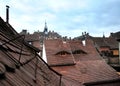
(67, 17)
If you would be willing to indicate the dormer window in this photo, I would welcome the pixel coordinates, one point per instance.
(79, 52)
(63, 53)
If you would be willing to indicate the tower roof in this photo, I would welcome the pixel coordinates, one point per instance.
(45, 28)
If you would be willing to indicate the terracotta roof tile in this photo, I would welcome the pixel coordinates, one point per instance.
(88, 71)
(89, 49)
(55, 46)
(89, 67)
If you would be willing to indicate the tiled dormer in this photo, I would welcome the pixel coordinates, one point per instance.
(59, 50)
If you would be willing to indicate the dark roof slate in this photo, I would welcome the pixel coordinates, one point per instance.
(32, 37)
(106, 42)
(23, 66)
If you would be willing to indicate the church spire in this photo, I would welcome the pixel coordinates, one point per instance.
(45, 28)
(103, 35)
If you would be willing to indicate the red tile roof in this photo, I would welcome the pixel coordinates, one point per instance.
(89, 49)
(58, 46)
(89, 67)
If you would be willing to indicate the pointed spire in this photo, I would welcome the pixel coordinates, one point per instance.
(45, 24)
(45, 28)
(103, 35)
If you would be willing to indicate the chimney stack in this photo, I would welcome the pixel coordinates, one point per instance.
(7, 13)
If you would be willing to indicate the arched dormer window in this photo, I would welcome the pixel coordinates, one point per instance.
(79, 52)
(62, 53)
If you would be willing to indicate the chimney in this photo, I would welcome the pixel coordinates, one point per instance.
(84, 42)
(7, 13)
(84, 38)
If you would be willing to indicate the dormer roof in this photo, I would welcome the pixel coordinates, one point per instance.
(61, 53)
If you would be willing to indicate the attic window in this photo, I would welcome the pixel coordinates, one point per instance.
(79, 52)
(62, 53)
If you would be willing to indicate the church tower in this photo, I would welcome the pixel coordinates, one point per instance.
(45, 29)
(45, 32)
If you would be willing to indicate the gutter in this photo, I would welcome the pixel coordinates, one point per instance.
(102, 82)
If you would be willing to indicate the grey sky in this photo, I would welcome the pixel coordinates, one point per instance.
(67, 17)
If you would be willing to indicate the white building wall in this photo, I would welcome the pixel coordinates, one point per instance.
(44, 54)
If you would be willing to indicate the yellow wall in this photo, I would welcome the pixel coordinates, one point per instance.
(115, 52)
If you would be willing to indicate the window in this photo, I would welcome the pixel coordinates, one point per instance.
(106, 53)
(63, 53)
(79, 52)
